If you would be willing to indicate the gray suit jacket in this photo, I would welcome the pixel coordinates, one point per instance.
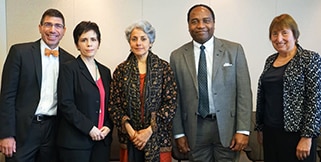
(231, 86)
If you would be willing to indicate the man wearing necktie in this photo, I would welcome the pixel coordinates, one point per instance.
(28, 99)
(212, 120)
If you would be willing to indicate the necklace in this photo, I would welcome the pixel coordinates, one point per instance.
(91, 67)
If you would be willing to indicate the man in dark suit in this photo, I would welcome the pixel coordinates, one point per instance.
(211, 123)
(28, 100)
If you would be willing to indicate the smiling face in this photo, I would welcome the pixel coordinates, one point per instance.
(52, 30)
(201, 24)
(284, 34)
(88, 44)
(139, 42)
(283, 40)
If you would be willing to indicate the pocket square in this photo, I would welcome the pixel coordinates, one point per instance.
(227, 64)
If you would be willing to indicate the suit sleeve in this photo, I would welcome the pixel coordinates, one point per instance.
(9, 89)
(67, 99)
(311, 121)
(107, 121)
(177, 120)
(244, 93)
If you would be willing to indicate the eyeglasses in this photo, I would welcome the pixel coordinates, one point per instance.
(49, 25)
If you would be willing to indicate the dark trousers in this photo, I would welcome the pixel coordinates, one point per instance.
(100, 152)
(280, 146)
(39, 145)
(208, 146)
(135, 155)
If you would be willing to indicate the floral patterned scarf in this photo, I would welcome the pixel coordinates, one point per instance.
(152, 96)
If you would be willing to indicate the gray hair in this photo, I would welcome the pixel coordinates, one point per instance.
(143, 25)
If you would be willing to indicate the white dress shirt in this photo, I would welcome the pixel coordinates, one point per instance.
(209, 49)
(48, 94)
(209, 53)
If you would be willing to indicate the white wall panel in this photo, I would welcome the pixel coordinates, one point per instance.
(245, 21)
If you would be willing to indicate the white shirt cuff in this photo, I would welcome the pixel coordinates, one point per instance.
(179, 135)
(244, 132)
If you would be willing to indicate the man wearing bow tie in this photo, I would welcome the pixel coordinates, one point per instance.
(28, 99)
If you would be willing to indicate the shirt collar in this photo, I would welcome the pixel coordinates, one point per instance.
(43, 45)
(207, 44)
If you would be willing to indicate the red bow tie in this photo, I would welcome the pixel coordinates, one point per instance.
(49, 52)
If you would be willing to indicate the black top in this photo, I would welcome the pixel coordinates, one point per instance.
(272, 84)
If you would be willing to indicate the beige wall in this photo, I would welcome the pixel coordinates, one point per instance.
(3, 39)
(3, 33)
(244, 21)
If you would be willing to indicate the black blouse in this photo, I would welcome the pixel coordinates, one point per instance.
(272, 84)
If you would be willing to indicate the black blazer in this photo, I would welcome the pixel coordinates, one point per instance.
(20, 89)
(79, 104)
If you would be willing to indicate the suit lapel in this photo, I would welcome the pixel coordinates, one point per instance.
(190, 62)
(61, 57)
(217, 58)
(103, 75)
(84, 70)
(190, 59)
(36, 53)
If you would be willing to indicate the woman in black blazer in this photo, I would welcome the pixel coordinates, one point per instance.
(84, 130)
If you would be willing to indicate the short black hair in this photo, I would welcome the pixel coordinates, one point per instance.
(84, 27)
(200, 5)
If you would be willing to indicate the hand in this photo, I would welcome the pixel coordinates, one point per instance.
(182, 144)
(142, 137)
(260, 137)
(303, 148)
(130, 130)
(96, 134)
(104, 131)
(239, 142)
(8, 146)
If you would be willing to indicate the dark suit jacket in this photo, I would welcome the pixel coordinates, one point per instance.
(79, 104)
(231, 87)
(20, 89)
